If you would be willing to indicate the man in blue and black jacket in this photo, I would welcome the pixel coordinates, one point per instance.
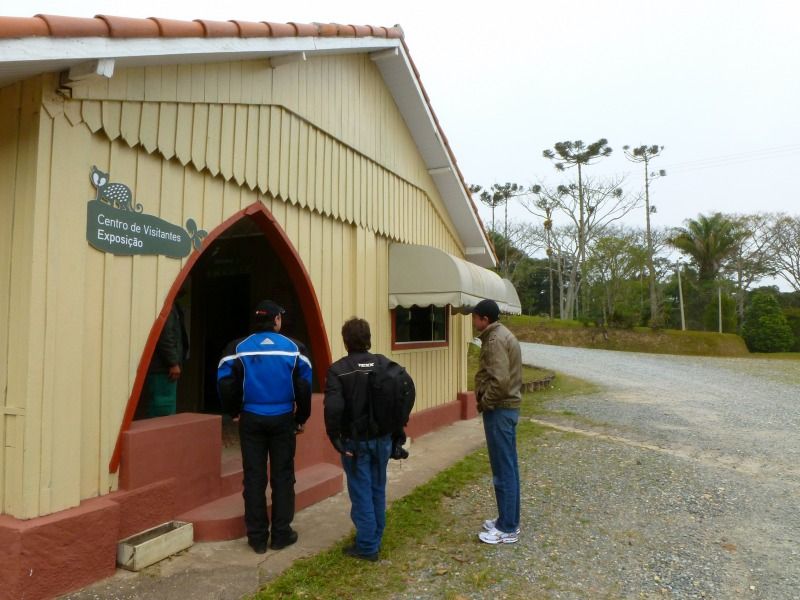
(264, 380)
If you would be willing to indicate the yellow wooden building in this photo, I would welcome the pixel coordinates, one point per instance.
(298, 162)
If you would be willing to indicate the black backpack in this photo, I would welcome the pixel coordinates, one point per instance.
(392, 396)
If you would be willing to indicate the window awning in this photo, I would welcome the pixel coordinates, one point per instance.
(422, 275)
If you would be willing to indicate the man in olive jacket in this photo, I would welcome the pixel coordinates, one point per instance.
(498, 385)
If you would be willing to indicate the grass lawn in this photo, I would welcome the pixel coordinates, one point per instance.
(420, 535)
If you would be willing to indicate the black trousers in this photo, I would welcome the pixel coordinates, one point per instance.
(262, 437)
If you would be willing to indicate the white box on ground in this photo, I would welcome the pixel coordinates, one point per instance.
(152, 545)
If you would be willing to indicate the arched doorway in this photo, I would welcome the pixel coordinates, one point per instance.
(246, 258)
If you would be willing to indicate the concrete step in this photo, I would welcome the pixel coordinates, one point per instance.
(223, 519)
(231, 475)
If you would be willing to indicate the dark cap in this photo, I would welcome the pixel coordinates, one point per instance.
(268, 310)
(487, 308)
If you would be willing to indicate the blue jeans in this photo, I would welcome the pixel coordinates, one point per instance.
(366, 485)
(500, 426)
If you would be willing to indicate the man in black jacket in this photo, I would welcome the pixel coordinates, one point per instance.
(365, 453)
(264, 381)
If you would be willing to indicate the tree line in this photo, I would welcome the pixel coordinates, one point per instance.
(704, 275)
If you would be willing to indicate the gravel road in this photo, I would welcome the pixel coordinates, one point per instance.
(679, 478)
(741, 413)
(724, 436)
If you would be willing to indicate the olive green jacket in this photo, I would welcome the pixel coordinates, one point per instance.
(498, 382)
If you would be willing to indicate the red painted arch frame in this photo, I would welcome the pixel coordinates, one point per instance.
(280, 243)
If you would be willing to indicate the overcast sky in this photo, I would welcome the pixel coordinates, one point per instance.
(716, 82)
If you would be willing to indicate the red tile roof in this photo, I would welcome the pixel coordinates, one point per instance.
(127, 27)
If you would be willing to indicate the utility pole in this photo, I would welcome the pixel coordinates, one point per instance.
(680, 298)
(548, 228)
(644, 154)
(719, 304)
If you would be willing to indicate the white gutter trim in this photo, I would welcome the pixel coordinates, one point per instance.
(32, 49)
(450, 164)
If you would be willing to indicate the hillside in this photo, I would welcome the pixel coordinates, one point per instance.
(639, 339)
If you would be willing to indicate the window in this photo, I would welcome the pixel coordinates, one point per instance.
(419, 327)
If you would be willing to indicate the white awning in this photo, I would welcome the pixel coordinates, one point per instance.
(422, 275)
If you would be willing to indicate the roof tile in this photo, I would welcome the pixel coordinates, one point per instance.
(327, 29)
(249, 29)
(378, 31)
(281, 29)
(305, 29)
(215, 29)
(174, 28)
(128, 27)
(16, 27)
(11, 27)
(75, 26)
(362, 30)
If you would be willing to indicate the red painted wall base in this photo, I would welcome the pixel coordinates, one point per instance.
(170, 468)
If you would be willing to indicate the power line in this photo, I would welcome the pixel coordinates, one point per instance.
(734, 159)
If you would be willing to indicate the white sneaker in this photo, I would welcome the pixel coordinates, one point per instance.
(495, 536)
(488, 525)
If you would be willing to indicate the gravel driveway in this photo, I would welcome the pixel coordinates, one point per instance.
(724, 434)
(741, 413)
(680, 478)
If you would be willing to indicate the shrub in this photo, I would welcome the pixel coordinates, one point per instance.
(623, 319)
(765, 327)
(792, 315)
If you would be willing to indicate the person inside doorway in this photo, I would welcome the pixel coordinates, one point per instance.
(264, 381)
(171, 353)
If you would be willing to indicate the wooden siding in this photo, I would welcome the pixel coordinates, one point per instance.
(23, 225)
(73, 368)
(342, 95)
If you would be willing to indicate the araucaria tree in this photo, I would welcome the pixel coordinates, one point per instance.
(566, 155)
(590, 208)
(644, 154)
(486, 198)
(499, 195)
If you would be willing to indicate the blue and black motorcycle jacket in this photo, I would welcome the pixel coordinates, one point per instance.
(267, 374)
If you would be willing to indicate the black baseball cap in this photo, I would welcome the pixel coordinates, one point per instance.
(268, 310)
(487, 308)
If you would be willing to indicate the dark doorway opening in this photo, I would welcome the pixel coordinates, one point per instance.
(236, 271)
(274, 269)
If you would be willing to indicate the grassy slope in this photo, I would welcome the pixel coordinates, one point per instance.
(638, 339)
